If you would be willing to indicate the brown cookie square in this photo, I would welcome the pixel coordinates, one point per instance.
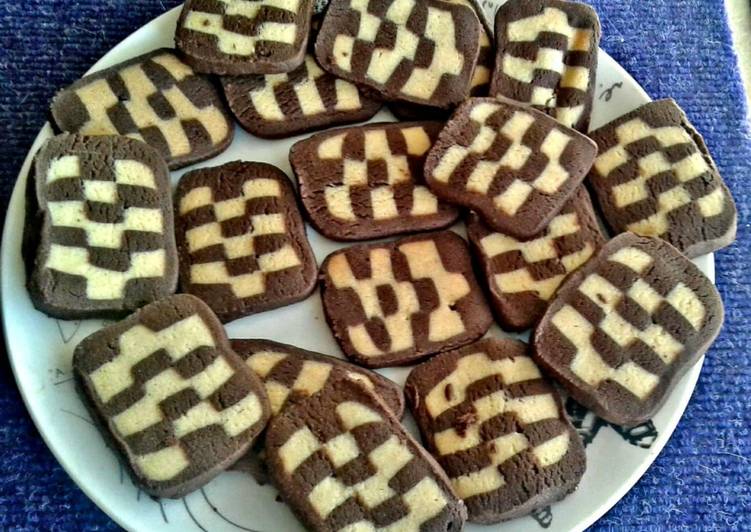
(155, 98)
(626, 326)
(99, 236)
(241, 239)
(523, 275)
(342, 461)
(515, 166)
(244, 36)
(421, 52)
(367, 182)
(178, 403)
(394, 303)
(291, 374)
(546, 55)
(497, 428)
(655, 177)
(307, 98)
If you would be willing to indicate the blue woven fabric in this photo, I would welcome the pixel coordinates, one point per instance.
(702, 480)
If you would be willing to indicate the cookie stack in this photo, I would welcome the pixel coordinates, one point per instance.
(498, 136)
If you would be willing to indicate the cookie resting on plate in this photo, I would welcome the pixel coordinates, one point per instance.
(522, 276)
(655, 177)
(99, 238)
(546, 55)
(516, 167)
(367, 182)
(244, 36)
(342, 461)
(626, 326)
(422, 52)
(241, 239)
(394, 303)
(498, 429)
(167, 389)
(307, 98)
(291, 374)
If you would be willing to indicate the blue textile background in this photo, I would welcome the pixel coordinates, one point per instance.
(678, 48)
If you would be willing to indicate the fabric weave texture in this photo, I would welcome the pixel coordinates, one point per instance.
(702, 479)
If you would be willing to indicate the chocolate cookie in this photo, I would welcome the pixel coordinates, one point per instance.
(547, 56)
(179, 404)
(479, 86)
(497, 428)
(241, 239)
(420, 52)
(367, 182)
(98, 240)
(523, 275)
(244, 36)
(515, 166)
(394, 303)
(282, 105)
(343, 462)
(155, 98)
(291, 374)
(655, 177)
(626, 326)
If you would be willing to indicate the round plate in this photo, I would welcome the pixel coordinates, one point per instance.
(234, 501)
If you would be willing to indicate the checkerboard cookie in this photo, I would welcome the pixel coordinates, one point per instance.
(178, 403)
(515, 166)
(241, 239)
(291, 374)
(367, 182)
(308, 98)
(394, 303)
(523, 275)
(155, 98)
(99, 239)
(343, 462)
(626, 326)
(655, 177)
(547, 56)
(421, 52)
(497, 428)
(244, 36)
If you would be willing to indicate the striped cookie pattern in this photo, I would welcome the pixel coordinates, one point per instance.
(655, 177)
(524, 275)
(547, 56)
(367, 182)
(177, 401)
(497, 428)
(625, 327)
(155, 98)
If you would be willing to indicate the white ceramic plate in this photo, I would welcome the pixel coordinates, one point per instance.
(40, 350)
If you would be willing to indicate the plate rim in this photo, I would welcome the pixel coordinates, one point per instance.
(691, 377)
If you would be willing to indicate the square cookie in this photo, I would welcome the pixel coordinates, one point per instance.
(155, 98)
(498, 429)
(241, 240)
(655, 177)
(546, 55)
(342, 461)
(394, 303)
(99, 237)
(244, 36)
(523, 275)
(515, 166)
(307, 98)
(177, 402)
(367, 182)
(626, 326)
(291, 374)
(418, 51)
